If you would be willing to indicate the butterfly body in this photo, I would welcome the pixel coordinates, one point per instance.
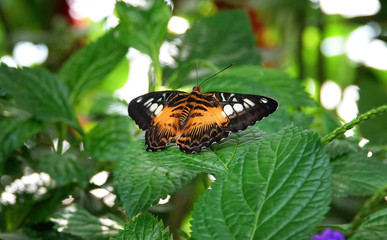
(196, 120)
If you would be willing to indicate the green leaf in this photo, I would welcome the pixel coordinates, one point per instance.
(214, 160)
(279, 188)
(144, 227)
(275, 122)
(107, 141)
(256, 80)
(64, 169)
(219, 40)
(373, 227)
(14, 132)
(92, 64)
(143, 28)
(340, 147)
(116, 79)
(141, 183)
(351, 175)
(75, 220)
(40, 93)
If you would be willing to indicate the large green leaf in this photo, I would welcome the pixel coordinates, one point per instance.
(256, 80)
(219, 40)
(108, 140)
(351, 175)
(75, 220)
(144, 28)
(40, 93)
(144, 227)
(92, 64)
(217, 159)
(141, 183)
(373, 227)
(14, 132)
(279, 188)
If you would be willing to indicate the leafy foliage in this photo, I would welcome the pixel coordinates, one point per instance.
(351, 175)
(271, 179)
(372, 227)
(143, 29)
(43, 95)
(14, 132)
(274, 180)
(91, 64)
(76, 220)
(141, 182)
(106, 140)
(63, 169)
(232, 42)
(262, 81)
(144, 227)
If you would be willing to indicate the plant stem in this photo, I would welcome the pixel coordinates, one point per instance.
(369, 206)
(61, 129)
(361, 118)
(158, 72)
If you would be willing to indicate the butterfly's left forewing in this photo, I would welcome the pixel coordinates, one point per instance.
(144, 108)
(157, 113)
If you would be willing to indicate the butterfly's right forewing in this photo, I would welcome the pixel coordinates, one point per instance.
(244, 110)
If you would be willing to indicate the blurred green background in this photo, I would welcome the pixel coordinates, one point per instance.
(336, 49)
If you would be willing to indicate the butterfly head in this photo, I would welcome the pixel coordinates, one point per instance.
(197, 89)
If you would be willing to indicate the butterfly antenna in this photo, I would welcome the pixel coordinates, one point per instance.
(197, 75)
(232, 64)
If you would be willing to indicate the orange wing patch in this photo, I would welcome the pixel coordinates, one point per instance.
(204, 127)
(163, 129)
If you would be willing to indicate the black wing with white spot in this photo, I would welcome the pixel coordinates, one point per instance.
(244, 110)
(144, 108)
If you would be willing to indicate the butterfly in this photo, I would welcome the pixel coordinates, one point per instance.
(196, 120)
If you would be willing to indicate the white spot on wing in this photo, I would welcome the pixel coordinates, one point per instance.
(228, 110)
(231, 95)
(238, 107)
(159, 110)
(224, 114)
(222, 95)
(264, 100)
(139, 99)
(148, 102)
(153, 107)
(248, 101)
(159, 100)
(235, 100)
